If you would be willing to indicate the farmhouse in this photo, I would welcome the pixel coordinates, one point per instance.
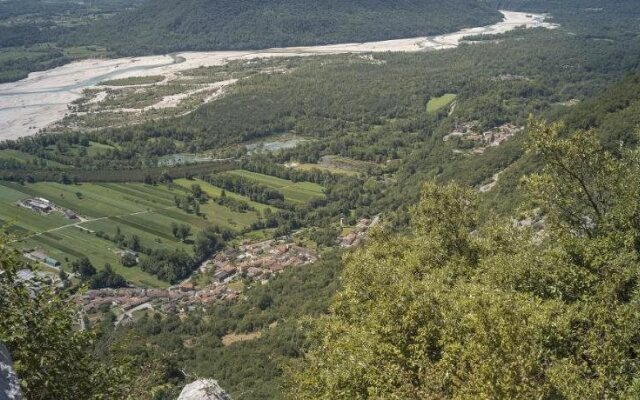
(359, 233)
(38, 204)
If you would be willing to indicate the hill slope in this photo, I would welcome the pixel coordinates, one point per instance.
(161, 26)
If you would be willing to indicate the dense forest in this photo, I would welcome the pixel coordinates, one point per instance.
(164, 26)
(31, 32)
(545, 307)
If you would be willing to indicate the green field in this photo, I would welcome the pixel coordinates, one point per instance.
(294, 192)
(136, 209)
(437, 103)
(17, 155)
(326, 168)
(215, 191)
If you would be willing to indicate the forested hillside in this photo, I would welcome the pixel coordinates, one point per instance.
(31, 32)
(163, 26)
(464, 307)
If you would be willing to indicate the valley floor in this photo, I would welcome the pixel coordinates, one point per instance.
(43, 98)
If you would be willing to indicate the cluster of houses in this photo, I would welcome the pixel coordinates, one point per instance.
(481, 141)
(258, 261)
(44, 206)
(357, 235)
(176, 299)
(253, 261)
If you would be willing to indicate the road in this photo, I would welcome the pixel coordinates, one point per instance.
(144, 306)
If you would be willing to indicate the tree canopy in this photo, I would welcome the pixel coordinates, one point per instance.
(464, 308)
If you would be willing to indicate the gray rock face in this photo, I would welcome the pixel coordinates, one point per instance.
(203, 389)
(9, 385)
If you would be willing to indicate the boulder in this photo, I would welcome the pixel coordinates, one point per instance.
(203, 389)
(9, 385)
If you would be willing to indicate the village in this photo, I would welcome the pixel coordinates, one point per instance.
(222, 278)
(216, 280)
(468, 132)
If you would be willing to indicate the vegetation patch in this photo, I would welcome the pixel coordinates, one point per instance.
(294, 192)
(232, 338)
(437, 103)
(134, 81)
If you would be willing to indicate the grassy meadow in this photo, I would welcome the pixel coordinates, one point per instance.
(294, 192)
(437, 103)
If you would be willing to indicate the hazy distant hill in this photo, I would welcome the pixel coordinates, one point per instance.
(172, 25)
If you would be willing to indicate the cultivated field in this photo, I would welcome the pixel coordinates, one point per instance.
(214, 191)
(294, 192)
(145, 211)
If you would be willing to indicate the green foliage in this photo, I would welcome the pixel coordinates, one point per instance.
(462, 309)
(107, 278)
(52, 358)
(83, 267)
(134, 80)
(29, 30)
(128, 260)
(166, 26)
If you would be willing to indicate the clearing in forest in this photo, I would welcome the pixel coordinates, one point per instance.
(437, 103)
(294, 192)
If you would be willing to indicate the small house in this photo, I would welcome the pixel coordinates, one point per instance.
(40, 205)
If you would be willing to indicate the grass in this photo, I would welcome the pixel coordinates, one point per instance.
(96, 148)
(135, 209)
(214, 191)
(69, 244)
(325, 168)
(24, 158)
(437, 103)
(294, 192)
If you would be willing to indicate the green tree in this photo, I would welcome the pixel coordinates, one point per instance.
(83, 267)
(128, 260)
(184, 231)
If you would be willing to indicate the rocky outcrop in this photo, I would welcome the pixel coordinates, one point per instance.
(9, 385)
(203, 389)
